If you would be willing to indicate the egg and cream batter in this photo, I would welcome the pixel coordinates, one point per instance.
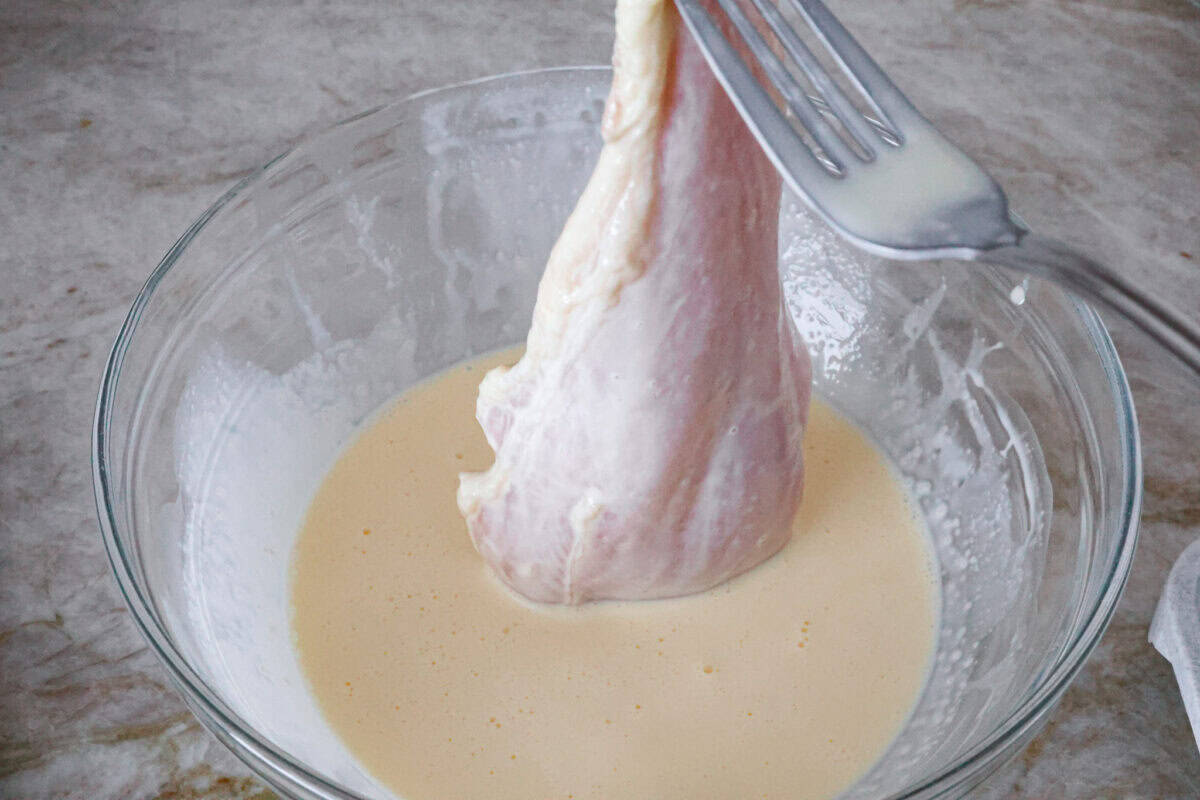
(622, 601)
(785, 682)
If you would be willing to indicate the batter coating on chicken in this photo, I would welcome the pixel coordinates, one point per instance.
(648, 444)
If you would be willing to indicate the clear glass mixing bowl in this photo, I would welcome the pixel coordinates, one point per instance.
(412, 237)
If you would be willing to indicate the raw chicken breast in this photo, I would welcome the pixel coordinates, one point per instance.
(648, 444)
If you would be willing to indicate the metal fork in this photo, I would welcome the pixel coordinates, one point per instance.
(890, 182)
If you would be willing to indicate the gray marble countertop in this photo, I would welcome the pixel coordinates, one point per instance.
(121, 122)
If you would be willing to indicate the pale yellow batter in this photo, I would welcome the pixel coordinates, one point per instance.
(787, 682)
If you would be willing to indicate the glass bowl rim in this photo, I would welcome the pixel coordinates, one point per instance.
(248, 744)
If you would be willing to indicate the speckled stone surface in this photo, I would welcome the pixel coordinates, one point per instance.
(121, 121)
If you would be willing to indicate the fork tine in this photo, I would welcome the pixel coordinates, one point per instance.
(885, 99)
(883, 131)
(835, 150)
(787, 151)
(834, 99)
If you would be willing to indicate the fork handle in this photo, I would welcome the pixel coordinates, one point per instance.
(1051, 259)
